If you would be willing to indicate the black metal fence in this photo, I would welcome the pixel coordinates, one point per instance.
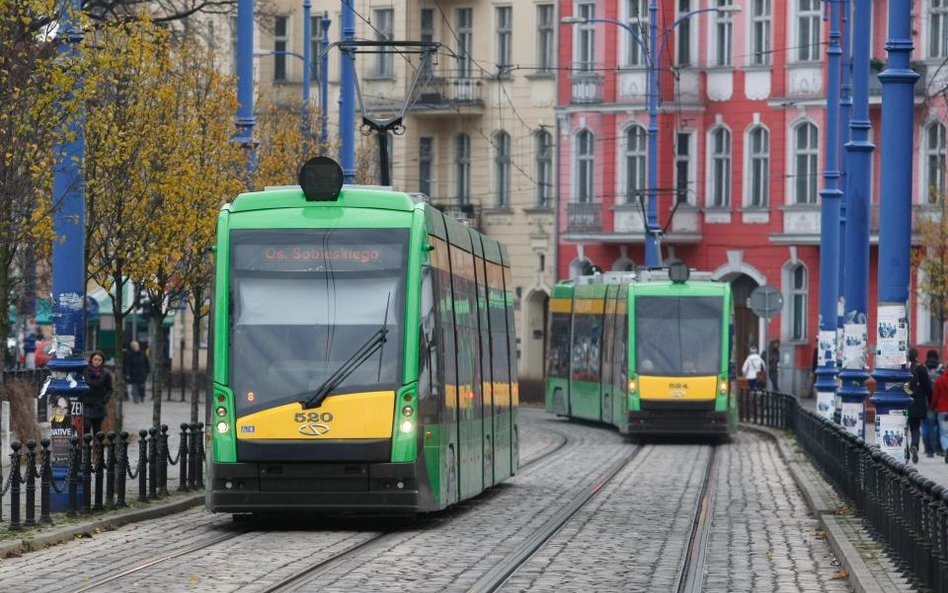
(96, 476)
(907, 511)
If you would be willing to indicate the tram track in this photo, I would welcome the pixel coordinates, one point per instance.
(691, 570)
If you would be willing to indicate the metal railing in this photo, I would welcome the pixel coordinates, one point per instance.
(906, 511)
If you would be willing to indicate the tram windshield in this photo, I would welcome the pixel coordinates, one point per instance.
(303, 302)
(678, 336)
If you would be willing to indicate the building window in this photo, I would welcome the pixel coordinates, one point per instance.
(233, 44)
(585, 161)
(760, 32)
(544, 153)
(934, 187)
(465, 36)
(425, 164)
(636, 142)
(720, 168)
(759, 157)
(808, 30)
(503, 16)
(427, 36)
(585, 46)
(462, 167)
(280, 40)
(938, 29)
(683, 160)
(383, 21)
(546, 48)
(636, 15)
(502, 168)
(805, 156)
(684, 34)
(798, 299)
(723, 29)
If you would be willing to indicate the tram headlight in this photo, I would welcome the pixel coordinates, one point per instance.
(407, 411)
(723, 387)
(222, 411)
(407, 426)
(633, 385)
(222, 426)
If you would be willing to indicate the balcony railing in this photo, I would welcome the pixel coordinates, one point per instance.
(586, 87)
(875, 85)
(584, 216)
(447, 93)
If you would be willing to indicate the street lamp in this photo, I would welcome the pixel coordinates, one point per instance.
(653, 59)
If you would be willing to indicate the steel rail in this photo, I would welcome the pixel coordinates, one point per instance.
(691, 571)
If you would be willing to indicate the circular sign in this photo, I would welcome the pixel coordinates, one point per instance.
(766, 301)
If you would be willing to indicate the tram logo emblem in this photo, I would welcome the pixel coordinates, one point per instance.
(314, 424)
(314, 430)
(677, 389)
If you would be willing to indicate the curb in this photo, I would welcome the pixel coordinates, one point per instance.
(860, 577)
(105, 522)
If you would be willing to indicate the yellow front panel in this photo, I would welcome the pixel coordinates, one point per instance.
(560, 305)
(348, 416)
(678, 388)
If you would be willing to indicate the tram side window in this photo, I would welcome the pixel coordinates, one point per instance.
(430, 380)
(558, 363)
(587, 343)
(621, 356)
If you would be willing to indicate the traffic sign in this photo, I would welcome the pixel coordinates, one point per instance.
(766, 301)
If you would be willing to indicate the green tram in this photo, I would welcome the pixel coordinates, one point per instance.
(651, 357)
(363, 353)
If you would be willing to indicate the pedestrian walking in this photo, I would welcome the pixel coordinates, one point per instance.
(920, 388)
(753, 369)
(29, 350)
(940, 406)
(773, 360)
(136, 371)
(95, 400)
(930, 430)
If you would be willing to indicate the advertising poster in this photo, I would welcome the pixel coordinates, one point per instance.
(854, 346)
(891, 433)
(65, 421)
(825, 404)
(891, 336)
(852, 419)
(827, 348)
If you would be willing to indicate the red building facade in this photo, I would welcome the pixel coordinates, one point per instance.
(740, 152)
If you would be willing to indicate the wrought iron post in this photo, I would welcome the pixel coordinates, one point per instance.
(15, 479)
(99, 469)
(46, 481)
(163, 461)
(122, 470)
(75, 459)
(30, 483)
(183, 462)
(142, 465)
(153, 464)
(110, 472)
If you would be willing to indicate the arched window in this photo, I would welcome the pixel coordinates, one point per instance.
(544, 166)
(502, 168)
(938, 29)
(585, 160)
(805, 160)
(462, 167)
(720, 167)
(758, 155)
(636, 141)
(934, 161)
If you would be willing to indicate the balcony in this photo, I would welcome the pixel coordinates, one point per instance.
(448, 95)
(585, 88)
(469, 214)
(877, 67)
(801, 223)
(584, 217)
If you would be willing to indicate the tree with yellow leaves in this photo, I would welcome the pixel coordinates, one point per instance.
(284, 145)
(931, 259)
(40, 96)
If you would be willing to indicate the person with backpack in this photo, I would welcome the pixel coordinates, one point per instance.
(920, 388)
(930, 431)
(940, 407)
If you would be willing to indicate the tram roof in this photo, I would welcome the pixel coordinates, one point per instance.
(351, 196)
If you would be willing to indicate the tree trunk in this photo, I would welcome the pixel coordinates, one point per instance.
(198, 295)
(4, 300)
(118, 396)
(158, 364)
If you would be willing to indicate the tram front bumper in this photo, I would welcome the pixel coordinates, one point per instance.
(678, 422)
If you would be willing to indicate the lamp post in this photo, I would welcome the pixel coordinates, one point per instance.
(324, 80)
(347, 98)
(653, 100)
(895, 224)
(245, 119)
(829, 228)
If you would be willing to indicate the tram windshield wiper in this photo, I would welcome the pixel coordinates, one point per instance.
(364, 353)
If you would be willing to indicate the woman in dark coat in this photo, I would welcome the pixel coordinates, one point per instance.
(99, 381)
(920, 388)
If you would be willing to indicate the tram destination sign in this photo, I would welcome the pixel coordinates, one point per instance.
(305, 257)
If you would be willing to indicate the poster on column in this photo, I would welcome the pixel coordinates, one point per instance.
(854, 346)
(852, 418)
(827, 348)
(890, 433)
(892, 336)
(825, 404)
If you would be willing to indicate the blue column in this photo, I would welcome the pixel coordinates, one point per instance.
(307, 70)
(245, 119)
(347, 97)
(845, 107)
(324, 81)
(895, 224)
(829, 226)
(852, 392)
(653, 256)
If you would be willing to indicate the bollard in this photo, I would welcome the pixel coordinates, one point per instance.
(142, 465)
(163, 461)
(192, 456)
(30, 483)
(122, 470)
(110, 471)
(183, 462)
(46, 481)
(199, 462)
(153, 464)
(15, 523)
(87, 473)
(75, 456)
(99, 450)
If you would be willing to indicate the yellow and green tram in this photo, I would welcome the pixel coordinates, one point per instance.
(649, 357)
(363, 353)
